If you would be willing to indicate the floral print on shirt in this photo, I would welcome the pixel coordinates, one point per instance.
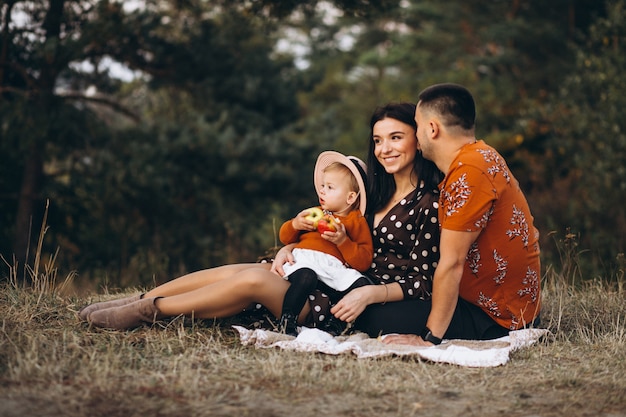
(502, 268)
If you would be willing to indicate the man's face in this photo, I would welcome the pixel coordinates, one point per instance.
(423, 133)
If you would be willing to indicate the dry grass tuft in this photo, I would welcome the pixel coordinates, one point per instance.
(51, 364)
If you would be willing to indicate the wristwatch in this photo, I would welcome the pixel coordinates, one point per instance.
(428, 336)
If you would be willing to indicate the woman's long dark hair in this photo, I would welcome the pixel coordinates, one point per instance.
(380, 184)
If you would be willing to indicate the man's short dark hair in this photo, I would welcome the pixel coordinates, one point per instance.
(453, 102)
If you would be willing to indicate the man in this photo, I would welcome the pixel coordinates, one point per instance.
(487, 281)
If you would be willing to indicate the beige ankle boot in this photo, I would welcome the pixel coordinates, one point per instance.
(86, 311)
(143, 311)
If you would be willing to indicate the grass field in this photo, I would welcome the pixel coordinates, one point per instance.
(51, 364)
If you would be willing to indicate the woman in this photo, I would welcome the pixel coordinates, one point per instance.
(402, 213)
(402, 200)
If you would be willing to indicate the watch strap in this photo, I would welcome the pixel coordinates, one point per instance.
(428, 336)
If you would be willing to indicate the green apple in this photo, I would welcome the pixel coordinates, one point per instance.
(315, 214)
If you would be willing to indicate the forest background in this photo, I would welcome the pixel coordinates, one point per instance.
(160, 137)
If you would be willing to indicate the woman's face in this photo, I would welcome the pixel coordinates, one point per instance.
(395, 146)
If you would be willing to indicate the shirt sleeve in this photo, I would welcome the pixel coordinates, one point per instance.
(467, 200)
(288, 234)
(357, 250)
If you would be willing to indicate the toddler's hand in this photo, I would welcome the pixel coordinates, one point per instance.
(300, 222)
(337, 237)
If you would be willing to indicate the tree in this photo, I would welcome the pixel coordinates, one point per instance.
(227, 99)
(142, 173)
(42, 116)
(582, 183)
(55, 127)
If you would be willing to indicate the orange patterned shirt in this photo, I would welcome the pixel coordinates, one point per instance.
(502, 270)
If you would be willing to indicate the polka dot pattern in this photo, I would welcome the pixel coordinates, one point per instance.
(406, 244)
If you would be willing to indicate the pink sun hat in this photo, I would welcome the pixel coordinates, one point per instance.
(354, 164)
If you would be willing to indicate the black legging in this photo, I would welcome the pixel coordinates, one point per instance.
(304, 281)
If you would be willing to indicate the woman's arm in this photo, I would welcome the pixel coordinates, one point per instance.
(355, 302)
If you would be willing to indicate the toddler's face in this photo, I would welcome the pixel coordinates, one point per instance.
(334, 193)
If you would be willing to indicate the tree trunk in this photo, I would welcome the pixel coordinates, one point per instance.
(29, 195)
(26, 224)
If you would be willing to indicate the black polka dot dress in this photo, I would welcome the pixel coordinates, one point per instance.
(406, 244)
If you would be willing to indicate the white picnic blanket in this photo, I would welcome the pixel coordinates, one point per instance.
(471, 353)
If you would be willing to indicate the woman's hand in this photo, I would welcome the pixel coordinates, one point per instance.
(282, 257)
(352, 304)
(405, 339)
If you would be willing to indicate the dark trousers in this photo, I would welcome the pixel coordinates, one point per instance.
(409, 317)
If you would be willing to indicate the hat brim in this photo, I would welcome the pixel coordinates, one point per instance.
(328, 157)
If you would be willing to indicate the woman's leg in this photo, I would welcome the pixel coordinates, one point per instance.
(404, 317)
(222, 298)
(409, 317)
(183, 284)
(226, 297)
(199, 279)
(471, 322)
